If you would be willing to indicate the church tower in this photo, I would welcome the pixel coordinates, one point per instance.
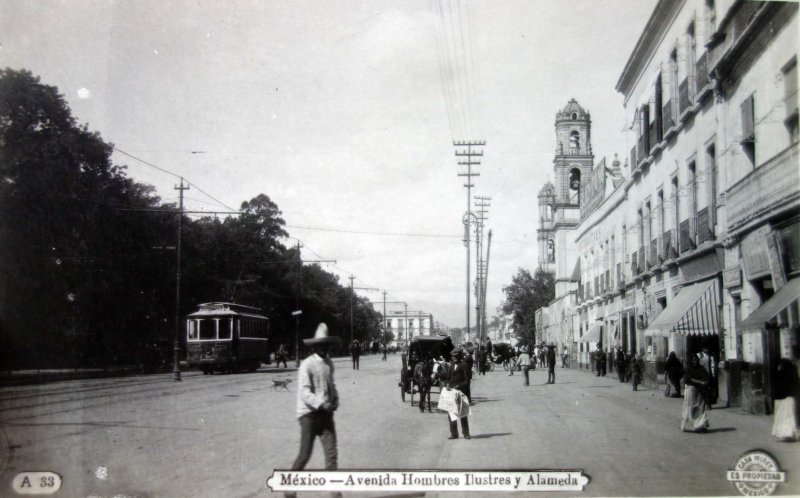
(560, 201)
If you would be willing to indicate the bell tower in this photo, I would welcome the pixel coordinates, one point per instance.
(573, 159)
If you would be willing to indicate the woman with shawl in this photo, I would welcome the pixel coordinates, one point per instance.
(695, 402)
(787, 387)
(674, 372)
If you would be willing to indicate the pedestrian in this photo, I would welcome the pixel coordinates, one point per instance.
(535, 356)
(525, 364)
(355, 352)
(636, 374)
(600, 361)
(619, 361)
(489, 352)
(482, 360)
(317, 400)
(458, 380)
(551, 364)
(708, 362)
(564, 357)
(694, 417)
(673, 371)
(281, 354)
(786, 393)
(385, 352)
(468, 359)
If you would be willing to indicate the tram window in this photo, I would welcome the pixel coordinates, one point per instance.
(225, 328)
(208, 329)
(252, 328)
(191, 330)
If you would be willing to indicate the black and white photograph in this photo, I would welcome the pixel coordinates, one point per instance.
(421, 248)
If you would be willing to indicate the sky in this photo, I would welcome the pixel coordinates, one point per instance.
(344, 113)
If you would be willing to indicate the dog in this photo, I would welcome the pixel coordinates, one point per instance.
(278, 383)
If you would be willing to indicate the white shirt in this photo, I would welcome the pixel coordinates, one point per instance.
(316, 386)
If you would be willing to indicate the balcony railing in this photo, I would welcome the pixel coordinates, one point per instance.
(684, 96)
(669, 245)
(702, 71)
(653, 136)
(703, 226)
(620, 276)
(767, 188)
(642, 149)
(686, 238)
(652, 260)
(668, 119)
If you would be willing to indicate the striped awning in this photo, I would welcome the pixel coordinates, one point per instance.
(593, 334)
(781, 301)
(694, 311)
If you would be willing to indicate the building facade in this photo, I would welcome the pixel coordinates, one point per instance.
(695, 243)
(405, 325)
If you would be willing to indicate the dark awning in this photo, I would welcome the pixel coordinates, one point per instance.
(593, 334)
(787, 296)
(694, 311)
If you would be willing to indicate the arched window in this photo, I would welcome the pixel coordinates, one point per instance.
(551, 252)
(574, 143)
(575, 186)
(574, 116)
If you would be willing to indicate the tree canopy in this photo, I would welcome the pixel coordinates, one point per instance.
(84, 281)
(523, 296)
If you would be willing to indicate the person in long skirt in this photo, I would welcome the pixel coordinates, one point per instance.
(694, 417)
(787, 388)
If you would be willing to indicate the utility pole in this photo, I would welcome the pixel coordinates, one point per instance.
(480, 205)
(486, 279)
(176, 360)
(469, 163)
(297, 312)
(352, 294)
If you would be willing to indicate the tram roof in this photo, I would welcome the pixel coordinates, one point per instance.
(226, 309)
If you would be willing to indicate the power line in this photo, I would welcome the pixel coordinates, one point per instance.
(367, 232)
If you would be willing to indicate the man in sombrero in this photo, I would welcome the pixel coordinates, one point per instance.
(317, 399)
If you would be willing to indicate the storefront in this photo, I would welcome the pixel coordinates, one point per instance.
(689, 324)
(770, 333)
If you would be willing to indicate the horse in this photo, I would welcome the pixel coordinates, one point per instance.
(423, 379)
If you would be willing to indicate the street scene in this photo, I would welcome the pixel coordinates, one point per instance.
(419, 248)
(138, 436)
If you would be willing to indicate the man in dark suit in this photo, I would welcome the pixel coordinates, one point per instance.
(459, 380)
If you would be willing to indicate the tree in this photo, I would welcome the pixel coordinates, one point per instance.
(524, 295)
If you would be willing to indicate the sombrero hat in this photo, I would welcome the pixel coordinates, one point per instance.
(321, 337)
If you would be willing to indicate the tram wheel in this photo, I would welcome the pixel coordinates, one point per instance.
(402, 393)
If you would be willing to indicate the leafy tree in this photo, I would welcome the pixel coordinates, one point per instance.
(524, 295)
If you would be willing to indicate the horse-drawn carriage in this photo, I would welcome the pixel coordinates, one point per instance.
(416, 374)
(506, 355)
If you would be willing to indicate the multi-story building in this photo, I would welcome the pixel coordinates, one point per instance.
(405, 325)
(695, 243)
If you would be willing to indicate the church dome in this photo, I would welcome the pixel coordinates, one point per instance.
(573, 111)
(548, 189)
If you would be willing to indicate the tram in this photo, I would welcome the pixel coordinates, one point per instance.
(227, 337)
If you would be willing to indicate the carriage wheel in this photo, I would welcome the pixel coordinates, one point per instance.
(505, 365)
(402, 393)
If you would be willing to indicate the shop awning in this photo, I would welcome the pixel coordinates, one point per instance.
(694, 311)
(593, 334)
(787, 296)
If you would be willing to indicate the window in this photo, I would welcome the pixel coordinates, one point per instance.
(659, 117)
(676, 211)
(691, 54)
(191, 330)
(711, 174)
(208, 329)
(574, 143)
(710, 15)
(748, 139)
(790, 99)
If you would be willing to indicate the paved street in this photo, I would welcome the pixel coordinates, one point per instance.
(222, 435)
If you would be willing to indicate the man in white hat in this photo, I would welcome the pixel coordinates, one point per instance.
(317, 399)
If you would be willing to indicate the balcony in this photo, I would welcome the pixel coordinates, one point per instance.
(668, 119)
(770, 188)
(620, 277)
(643, 260)
(634, 264)
(686, 237)
(703, 82)
(669, 246)
(685, 97)
(653, 138)
(641, 149)
(704, 232)
(652, 259)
